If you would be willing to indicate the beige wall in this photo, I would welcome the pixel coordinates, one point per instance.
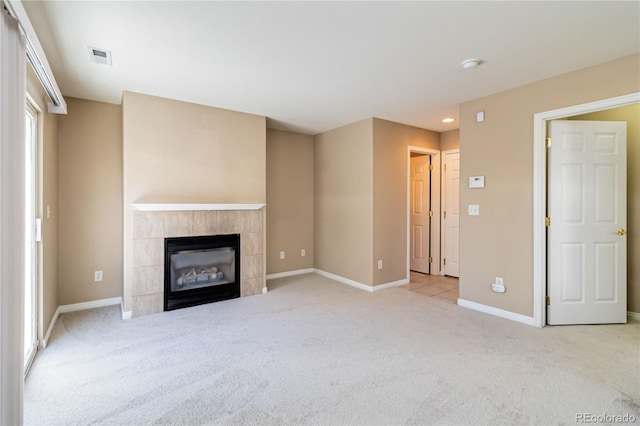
(450, 140)
(289, 201)
(390, 147)
(178, 152)
(90, 201)
(630, 114)
(343, 201)
(499, 242)
(182, 152)
(48, 196)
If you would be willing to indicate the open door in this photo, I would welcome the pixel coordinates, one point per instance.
(451, 214)
(587, 219)
(420, 218)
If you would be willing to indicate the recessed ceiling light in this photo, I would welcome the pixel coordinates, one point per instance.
(471, 63)
(448, 120)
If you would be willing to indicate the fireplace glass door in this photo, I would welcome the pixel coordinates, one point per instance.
(201, 270)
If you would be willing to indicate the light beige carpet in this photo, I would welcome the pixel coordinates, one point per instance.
(313, 351)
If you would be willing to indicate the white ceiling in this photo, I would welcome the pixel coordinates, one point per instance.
(314, 66)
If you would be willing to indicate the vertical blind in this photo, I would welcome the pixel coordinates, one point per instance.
(12, 135)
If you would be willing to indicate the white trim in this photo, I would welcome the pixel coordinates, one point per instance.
(344, 280)
(539, 193)
(89, 305)
(496, 312)
(633, 316)
(171, 207)
(390, 285)
(435, 207)
(340, 279)
(45, 340)
(289, 273)
(38, 59)
(126, 315)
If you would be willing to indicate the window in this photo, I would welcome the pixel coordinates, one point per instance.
(31, 237)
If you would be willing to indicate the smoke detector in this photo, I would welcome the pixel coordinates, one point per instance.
(471, 63)
(99, 56)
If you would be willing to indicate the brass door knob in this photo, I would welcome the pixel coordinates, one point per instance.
(622, 231)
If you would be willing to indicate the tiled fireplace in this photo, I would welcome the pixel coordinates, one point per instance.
(151, 225)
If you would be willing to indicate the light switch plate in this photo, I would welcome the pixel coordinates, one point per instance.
(474, 210)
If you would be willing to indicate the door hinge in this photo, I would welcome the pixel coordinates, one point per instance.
(548, 300)
(430, 259)
(430, 213)
(445, 214)
(431, 167)
(445, 167)
(547, 221)
(444, 261)
(548, 143)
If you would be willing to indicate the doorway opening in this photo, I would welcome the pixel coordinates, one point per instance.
(540, 191)
(31, 238)
(423, 194)
(424, 226)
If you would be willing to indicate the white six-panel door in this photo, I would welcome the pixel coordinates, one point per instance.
(451, 214)
(587, 252)
(420, 206)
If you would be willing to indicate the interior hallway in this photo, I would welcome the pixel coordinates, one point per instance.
(439, 287)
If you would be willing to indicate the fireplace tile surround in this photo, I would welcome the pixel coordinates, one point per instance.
(152, 226)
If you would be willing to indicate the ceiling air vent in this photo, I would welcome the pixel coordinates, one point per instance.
(99, 56)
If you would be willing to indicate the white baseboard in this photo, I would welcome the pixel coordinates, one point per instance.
(390, 285)
(344, 280)
(47, 336)
(125, 314)
(359, 285)
(497, 312)
(633, 316)
(289, 273)
(90, 305)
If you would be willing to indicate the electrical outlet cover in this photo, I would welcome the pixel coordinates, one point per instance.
(498, 288)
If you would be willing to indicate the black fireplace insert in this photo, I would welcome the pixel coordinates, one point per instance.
(200, 270)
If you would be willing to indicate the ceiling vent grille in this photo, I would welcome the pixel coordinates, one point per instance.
(99, 56)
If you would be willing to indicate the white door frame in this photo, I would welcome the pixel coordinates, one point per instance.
(539, 192)
(435, 207)
(443, 194)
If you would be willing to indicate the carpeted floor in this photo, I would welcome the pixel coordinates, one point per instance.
(313, 351)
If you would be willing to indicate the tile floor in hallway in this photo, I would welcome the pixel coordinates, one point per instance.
(441, 287)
